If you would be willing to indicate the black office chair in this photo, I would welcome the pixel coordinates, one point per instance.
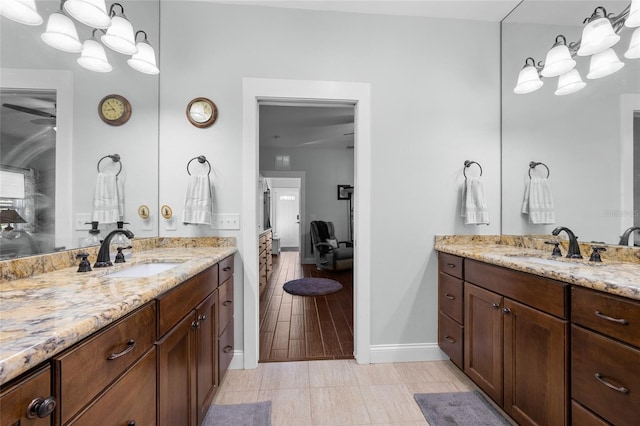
(329, 253)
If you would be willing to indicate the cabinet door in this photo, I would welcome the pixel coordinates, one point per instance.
(483, 330)
(535, 366)
(177, 403)
(207, 337)
(33, 391)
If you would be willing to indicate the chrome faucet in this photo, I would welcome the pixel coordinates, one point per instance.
(103, 255)
(574, 248)
(624, 239)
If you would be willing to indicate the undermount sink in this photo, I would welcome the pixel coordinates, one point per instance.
(568, 263)
(143, 270)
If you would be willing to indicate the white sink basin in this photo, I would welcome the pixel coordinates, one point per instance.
(542, 261)
(143, 270)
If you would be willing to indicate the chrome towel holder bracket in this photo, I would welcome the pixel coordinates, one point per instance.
(115, 158)
(468, 163)
(534, 164)
(201, 159)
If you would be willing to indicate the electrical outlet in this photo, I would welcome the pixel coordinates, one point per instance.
(226, 221)
(83, 221)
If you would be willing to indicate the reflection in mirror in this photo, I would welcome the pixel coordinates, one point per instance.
(585, 138)
(33, 69)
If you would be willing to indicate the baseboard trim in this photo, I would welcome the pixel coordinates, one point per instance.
(406, 353)
(237, 362)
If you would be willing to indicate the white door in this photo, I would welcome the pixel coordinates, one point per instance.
(286, 205)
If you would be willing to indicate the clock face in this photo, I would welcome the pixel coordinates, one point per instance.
(202, 112)
(114, 110)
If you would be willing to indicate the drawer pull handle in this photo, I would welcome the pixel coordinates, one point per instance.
(41, 407)
(227, 303)
(450, 297)
(451, 265)
(608, 318)
(202, 317)
(227, 349)
(130, 345)
(620, 389)
(449, 339)
(226, 268)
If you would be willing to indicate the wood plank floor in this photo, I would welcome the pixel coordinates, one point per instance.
(299, 328)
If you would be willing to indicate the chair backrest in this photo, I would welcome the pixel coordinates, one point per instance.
(320, 232)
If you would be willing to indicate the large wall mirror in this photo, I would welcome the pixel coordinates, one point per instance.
(586, 139)
(53, 139)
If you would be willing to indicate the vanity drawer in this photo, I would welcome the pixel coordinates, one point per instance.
(225, 304)
(225, 269)
(450, 339)
(614, 316)
(598, 364)
(173, 305)
(450, 296)
(225, 350)
(17, 397)
(544, 294)
(580, 416)
(84, 371)
(450, 264)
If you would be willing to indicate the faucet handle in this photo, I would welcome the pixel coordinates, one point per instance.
(84, 265)
(595, 256)
(556, 248)
(120, 255)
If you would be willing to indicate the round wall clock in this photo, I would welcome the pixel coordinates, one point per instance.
(202, 112)
(114, 110)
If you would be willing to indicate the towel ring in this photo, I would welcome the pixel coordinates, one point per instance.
(115, 158)
(468, 163)
(201, 159)
(534, 164)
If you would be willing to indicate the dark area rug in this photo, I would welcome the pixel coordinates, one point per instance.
(312, 286)
(256, 414)
(458, 409)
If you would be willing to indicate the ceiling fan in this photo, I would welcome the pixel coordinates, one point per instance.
(48, 120)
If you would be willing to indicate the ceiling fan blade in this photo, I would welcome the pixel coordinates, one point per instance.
(44, 121)
(29, 110)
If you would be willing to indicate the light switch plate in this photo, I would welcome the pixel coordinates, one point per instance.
(226, 221)
(82, 222)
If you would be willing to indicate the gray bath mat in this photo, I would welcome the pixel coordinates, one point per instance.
(256, 414)
(458, 409)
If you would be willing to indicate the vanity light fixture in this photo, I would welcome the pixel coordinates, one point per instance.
(599, 35)
(21, 11)
(90, 12)
(145, 60)
(119, 36)
(61, 33)
(93, 56)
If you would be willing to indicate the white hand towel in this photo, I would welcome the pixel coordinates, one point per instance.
(106, 205)
(198, 205)
(538, 201)
(474, 204)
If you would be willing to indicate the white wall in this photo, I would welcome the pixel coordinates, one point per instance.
(435, 103)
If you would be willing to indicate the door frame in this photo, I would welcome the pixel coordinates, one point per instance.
(255, 91)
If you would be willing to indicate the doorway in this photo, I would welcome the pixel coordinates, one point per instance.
(286, 218)
(257, 90)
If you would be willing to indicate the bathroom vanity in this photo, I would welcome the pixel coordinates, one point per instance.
(135, 350)
(551, 341)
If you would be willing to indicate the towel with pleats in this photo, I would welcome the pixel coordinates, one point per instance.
(108, 199)
(474, 204)
(198, 205)
(538, 201)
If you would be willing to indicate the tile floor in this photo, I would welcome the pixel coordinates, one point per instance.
(341, 392)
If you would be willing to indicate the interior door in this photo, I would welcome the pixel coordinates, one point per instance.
(286, 205)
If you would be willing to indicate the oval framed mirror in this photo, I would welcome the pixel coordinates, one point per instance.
(202, 112)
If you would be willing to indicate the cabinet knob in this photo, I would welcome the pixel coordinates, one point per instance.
(41, 407)
(451, 265)
(195, 324)
(227, 303)
(495, 305)
(449, 339)
(226, 268)
(448, 296)
(131, 423)
(202, 317)
(506, 311)
(227, 349)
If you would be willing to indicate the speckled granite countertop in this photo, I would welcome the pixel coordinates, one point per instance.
(619, 277)
(42, 315)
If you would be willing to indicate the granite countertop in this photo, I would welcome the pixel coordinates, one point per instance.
(42, 315)
(621, 278)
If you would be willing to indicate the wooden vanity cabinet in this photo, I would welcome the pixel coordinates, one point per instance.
(605, 356)
(451, 307)
(516, 341)
(28, 401)
(265, 251)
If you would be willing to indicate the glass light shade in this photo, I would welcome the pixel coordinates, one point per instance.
(93, 57)
(598, 35)
(145, 60)
(22, 11)
(119, 36)
(633, 52)
(633, 20)
(528, 80)
(558, 61)
(90, 12)
(569, 82)
(61, 33)
(603, 64)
